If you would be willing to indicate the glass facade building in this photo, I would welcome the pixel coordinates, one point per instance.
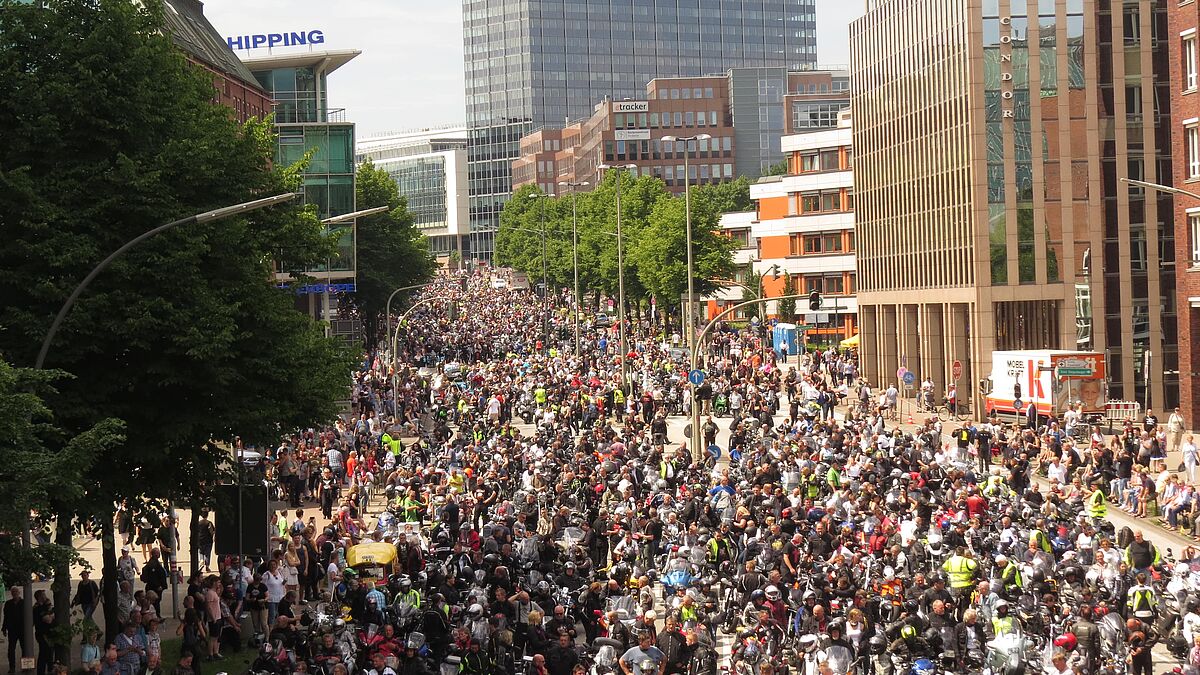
(992, 140)
(304, 123)
(430, 168)
(535, 63)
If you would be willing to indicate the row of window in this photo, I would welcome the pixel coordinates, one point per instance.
(826, 284)
(1194, 231)
(827, 201)
(684, 93)
(823, 160)
(666, 120)
(660, 149)
(822, 243)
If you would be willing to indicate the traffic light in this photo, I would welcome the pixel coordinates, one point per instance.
(814, 301)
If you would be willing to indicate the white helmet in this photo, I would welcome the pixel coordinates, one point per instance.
(773, 594)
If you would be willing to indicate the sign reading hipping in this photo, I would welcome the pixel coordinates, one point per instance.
(630, 106)
(295, 39)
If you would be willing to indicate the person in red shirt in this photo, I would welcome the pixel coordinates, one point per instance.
(976, 504)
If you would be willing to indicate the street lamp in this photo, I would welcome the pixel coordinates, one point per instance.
(1161, 188)
(621, 278)
(575, 253)
(687, 215)
(541, 197)
(396, 334)
(206, 217)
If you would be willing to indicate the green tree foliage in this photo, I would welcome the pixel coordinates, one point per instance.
(787, 308)
(779, 169)
(648, 213)
(392, 253)
(109, 133)
(35, 478)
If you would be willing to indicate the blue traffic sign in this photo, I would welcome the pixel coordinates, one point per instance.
(1018, 405)
(696, 377)
(910, 377)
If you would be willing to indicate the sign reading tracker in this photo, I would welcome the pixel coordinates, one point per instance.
(291, 39)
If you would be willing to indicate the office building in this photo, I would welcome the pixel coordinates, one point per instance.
(530, 64)
(234, 85)
(304, 122)
(815, 98)
(1183, 22)
(804, 230)
(991, 139)
(430, 168)
(631, 132)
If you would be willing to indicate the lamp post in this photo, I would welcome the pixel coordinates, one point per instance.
(687, 216)
(205, 217)
(542, 197)
(575, 253)
(697, 452)
(621, 280)
(396, 334)
(354, 228)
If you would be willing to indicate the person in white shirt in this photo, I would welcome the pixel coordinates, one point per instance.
(1175, 429)
(1191, 457)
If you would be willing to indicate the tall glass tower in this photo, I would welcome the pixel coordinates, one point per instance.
(536, 63)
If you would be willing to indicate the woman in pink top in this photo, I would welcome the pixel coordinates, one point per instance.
(212, 610)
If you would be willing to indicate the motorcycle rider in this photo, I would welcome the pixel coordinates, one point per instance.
(962, 569)
(1002, 624)
(1141, 600)
(1009, 575)
(971, 642)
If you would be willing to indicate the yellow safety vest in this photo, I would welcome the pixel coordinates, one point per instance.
(1097, 505)
(961, 570)
(1002, 625)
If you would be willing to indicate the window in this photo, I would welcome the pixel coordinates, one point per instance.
(1192, 136)
(1194, 230)
(712, 118)
(834, 285)
(793, 205)
(696, 93)
(701, 119)
(850, 240)
(1188, 56)
(689, 119)
(687, 93)
(810, 203)
(829, 160)
(674, 93)
(812, 284)
(797, 242)
(653, 120)
(831, 201)
(808, 162)
(832, 243)
(812, 244)
(1133, 25)
(708, 92)
(678, 119)
(849, 200)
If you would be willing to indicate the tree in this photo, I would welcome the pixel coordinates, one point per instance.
(660, 253)
(34, 477)
(728, 197)
(392, 253)
(779, 169)
(109, 133)
(787, 308)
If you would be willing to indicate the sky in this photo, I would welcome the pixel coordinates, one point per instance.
(410, 72)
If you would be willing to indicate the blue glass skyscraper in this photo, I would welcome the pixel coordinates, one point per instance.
(536, 63)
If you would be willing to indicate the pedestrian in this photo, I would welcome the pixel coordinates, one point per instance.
(204, 536)
(43, 624)
(14, 627)
(87, 595)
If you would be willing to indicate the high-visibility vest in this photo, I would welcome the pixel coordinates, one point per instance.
(1038, 537)
(961, 570)
(1141, 601)
(1010, 577)
(1002, 625)
(1097, 505)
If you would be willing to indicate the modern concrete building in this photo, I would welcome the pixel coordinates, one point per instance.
(630, 132)
(1183, 22)
(805, 230)
(430, 168)
(991, 138)
(304, 122)
(530, 64)
(815, 98)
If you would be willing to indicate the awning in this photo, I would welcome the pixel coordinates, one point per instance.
(850, 342)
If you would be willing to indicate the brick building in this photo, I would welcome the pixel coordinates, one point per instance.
(1183, 19)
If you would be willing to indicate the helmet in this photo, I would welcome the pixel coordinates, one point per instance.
(1066, 641)
(923, 667)
(877, 644)
(405, 584)
(475, 611)
(908, 632)
(1003, 604)
(772, 593)
(543, 586)
(837, 624)
(758, 595)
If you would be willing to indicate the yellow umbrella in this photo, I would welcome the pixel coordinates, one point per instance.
(850, 342)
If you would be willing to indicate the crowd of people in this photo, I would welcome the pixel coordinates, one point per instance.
(541, 517)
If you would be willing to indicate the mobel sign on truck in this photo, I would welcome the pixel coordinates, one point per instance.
(1048, 379)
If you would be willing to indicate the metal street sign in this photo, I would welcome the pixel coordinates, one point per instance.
(1017, 404)
(909, 377)
(901, 372)
(696, 377)
(956, 369)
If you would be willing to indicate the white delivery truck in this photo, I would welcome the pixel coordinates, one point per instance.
(1051, 380)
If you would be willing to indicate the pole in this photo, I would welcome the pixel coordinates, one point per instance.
(697, 453)
(575, 257)
(691, 274)
(621, 297)
(545, 283)
(396, 334)
(205, 217)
